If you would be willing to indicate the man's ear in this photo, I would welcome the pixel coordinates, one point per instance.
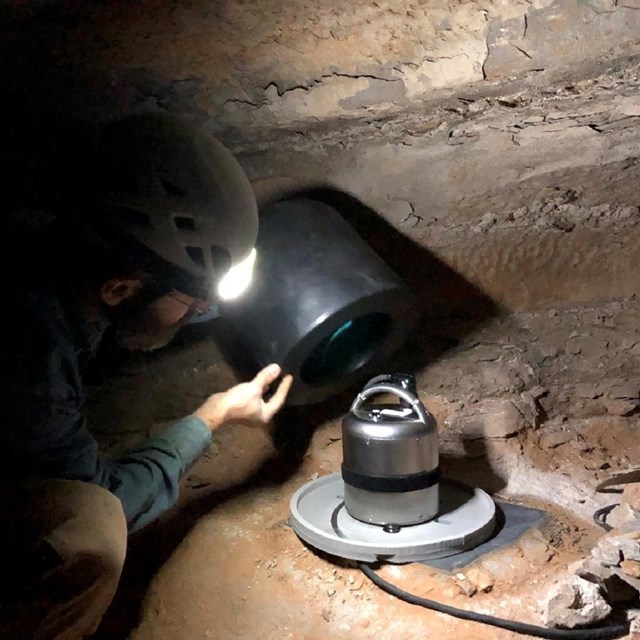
(115, 291)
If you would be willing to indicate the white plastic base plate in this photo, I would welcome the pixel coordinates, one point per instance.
(318, 515)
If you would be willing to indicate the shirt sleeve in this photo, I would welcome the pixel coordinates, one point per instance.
(146, 477)
(49, 438)
(43, 431)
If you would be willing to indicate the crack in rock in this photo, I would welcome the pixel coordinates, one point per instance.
(336, 74)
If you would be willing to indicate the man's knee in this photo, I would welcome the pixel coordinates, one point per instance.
(96, 534)
(82, 534)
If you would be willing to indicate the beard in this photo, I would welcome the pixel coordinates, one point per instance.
(138, 326)
(143, 338)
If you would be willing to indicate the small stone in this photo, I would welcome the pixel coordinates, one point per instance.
(331, 592)
(628, 544)
(620, 515)
(487, 221)
(606, 554)
(574, 603)
(466, 586)
(631, 568)
(482, 578)
(615, 589)
(326, 614)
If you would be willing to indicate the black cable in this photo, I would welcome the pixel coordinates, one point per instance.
(613, 631)
(600, 516)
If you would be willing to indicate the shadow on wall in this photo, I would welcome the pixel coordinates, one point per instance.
(449, 307)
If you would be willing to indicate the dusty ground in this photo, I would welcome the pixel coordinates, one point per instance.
(535, 407)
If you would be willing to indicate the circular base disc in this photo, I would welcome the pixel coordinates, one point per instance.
(318, 516)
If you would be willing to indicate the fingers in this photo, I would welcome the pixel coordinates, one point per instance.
(277, 401)
(267, 376)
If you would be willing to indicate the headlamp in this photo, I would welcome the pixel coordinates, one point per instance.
(237, 280)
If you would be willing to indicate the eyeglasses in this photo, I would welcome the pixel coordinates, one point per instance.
(196, 307)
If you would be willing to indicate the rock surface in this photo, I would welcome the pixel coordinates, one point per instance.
(574, 603)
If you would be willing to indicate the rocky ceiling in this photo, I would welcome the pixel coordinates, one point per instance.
(500, 136)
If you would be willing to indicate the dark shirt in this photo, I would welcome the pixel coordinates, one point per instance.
(43, 431)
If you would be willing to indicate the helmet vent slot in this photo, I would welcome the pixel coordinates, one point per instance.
(197, 255)
(172, 189)
(133, 217)
(184, 224)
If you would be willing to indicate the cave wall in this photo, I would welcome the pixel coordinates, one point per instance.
(499, 136)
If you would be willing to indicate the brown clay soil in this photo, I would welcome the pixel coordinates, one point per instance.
(226, 564)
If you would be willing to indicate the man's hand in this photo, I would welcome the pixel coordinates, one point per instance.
(244, 403)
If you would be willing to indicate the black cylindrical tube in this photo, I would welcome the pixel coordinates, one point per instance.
(322, 304)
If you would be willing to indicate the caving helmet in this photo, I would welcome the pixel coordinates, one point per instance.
(175, 192)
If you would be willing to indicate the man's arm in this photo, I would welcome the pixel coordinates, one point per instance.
(48, 437)
(43, 431)
(146, 478)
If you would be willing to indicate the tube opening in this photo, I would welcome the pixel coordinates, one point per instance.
(350, 347)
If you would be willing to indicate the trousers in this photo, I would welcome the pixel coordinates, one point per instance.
(62, 548)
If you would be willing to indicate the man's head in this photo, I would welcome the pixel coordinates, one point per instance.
(145, 318)
(176, 214)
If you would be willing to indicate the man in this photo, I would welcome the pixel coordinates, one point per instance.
(163, 218)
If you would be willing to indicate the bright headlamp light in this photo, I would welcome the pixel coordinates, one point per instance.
(237, 280)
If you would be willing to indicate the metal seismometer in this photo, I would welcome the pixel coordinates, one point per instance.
(390, 504)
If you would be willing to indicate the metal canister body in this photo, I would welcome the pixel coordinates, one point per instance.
(391, 465)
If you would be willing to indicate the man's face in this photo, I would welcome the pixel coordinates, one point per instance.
(150, 326)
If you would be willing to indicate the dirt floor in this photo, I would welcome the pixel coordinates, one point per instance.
(536, 408)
